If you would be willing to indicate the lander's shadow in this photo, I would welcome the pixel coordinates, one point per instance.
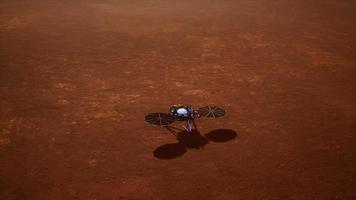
(169, 151)
(221, 135)
(193, 140)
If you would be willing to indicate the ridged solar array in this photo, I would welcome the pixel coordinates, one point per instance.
(211, 111)
(162, 119)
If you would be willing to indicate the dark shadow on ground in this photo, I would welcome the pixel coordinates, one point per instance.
(192, 140)
(169, 151)
(221, 135)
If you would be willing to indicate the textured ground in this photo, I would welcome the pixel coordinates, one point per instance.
(78, 77)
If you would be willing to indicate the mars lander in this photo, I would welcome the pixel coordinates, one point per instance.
(186, 113)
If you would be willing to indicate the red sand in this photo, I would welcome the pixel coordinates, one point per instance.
(78, 77)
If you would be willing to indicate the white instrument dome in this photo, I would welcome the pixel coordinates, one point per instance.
(183, 112)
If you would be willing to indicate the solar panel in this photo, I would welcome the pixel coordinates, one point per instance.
(211, 111)
(161, 119)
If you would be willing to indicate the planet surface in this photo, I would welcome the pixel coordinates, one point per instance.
(77, 79)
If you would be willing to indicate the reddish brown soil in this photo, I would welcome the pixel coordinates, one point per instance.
(78, 77)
